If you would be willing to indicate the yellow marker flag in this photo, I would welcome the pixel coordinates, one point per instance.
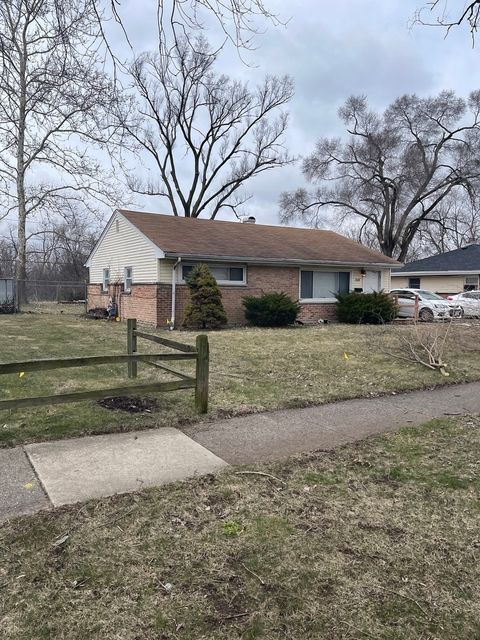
(21, 374)
(346, 356)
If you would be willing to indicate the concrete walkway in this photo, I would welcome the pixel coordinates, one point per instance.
(271, 436)
(43, 475)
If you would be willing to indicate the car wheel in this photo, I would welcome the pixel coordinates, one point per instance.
(460, 313)
(426, 315)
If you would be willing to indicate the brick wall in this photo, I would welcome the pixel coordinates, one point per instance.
(151, 303)
(261, 280)
(141, 302)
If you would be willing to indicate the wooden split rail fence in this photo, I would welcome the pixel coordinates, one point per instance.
(199, 382)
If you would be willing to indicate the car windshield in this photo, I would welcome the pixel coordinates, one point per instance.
(429, 295)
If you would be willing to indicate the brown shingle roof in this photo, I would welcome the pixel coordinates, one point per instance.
(200, 238)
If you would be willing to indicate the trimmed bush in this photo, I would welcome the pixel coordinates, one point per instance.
(205, 310)
(366, 308)
(271, 310)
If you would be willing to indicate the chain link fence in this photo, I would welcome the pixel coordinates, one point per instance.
(50, 296)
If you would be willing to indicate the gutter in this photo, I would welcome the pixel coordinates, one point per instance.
(174, 292)
(281, 262)
(435, 273)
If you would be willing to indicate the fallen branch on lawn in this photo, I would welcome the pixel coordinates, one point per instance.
(260, 473)
(425, 346)
(402, 595)
(237, 615)
(262, 582)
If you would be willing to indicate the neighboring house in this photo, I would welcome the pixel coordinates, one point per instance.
(446, 273)
(141, 260)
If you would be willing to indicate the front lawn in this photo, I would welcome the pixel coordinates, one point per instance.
(376, 540)
(251, 370)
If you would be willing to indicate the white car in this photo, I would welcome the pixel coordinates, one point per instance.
(431, 306)
(469, 301)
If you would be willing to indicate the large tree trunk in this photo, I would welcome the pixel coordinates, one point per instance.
(21, 264)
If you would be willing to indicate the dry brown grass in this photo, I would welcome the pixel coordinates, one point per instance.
(251, 370)
(376, 540)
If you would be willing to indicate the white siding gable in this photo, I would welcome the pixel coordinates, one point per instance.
(123, 245)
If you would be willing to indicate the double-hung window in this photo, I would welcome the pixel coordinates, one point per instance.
(127, 279)
(223, 273)
(106, 279)
(323, 285)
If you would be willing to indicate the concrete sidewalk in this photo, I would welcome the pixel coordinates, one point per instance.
(271, 436)
(43, 475)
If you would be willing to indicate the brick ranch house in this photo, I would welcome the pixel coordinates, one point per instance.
(141, 261)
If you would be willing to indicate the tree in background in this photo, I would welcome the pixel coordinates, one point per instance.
(208, 135)
(457, 225)
(55, 101)
(205, 310)
(449, 14)
(392, 170)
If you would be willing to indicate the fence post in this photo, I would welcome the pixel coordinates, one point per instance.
(201, 377)
(416, 309)
(131, 346)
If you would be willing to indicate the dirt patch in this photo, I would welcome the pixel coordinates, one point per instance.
(131, 404)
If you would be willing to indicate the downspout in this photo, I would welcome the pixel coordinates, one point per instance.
(174, 293)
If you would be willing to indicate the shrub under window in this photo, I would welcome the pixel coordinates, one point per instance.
(271, 310)
(366, 308)
(205, 310)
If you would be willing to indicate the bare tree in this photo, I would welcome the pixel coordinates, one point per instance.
(54, 98)
(7, 258)
(457, 225)
(448, 14)
(60, 249)
(207, 135)
(238, 20)
(393, 169)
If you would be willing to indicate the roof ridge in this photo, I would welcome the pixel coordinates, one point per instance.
(236, 223)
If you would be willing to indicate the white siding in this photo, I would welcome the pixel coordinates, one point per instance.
(358, 280)
(386, 279)
(165, 268)
(438, 284)
(124, 246)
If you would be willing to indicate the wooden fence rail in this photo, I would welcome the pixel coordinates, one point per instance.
(200, 353)
(199, 382)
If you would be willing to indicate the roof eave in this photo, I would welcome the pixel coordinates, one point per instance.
(443, 272)
(278, 261)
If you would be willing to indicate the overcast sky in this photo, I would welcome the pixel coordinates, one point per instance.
(332, 49)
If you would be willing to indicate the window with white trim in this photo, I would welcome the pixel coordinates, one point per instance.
(106, 279)
(471, 283)
(223, 273)
(127, 279)
(323, 285)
